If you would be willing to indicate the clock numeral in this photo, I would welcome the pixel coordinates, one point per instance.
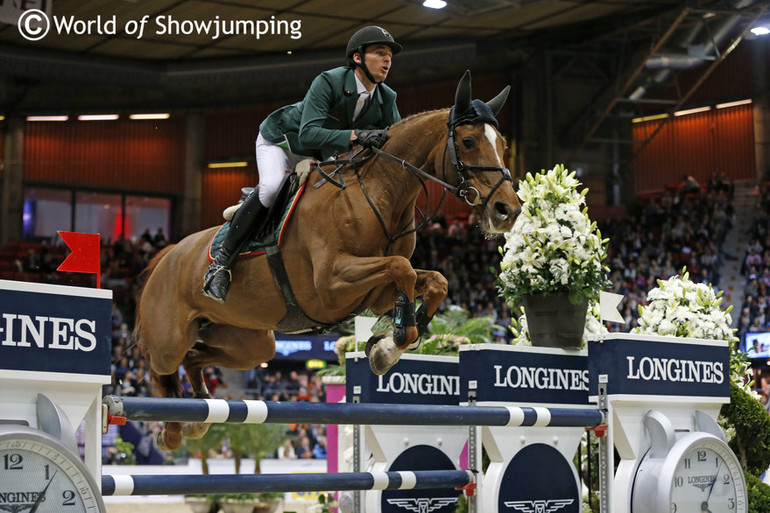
(726, 479)
(47, 470)
(701, 455)
(673, 507)
(731, 503)
(12, 461)
(69, 498)
(687, 463)
(679, 481)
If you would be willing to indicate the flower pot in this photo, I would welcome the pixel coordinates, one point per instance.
(198, 504)
(229, 506)
(553, 321)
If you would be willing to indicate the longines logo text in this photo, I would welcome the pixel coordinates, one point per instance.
(543, 378)
(425, 384)
(19, 330)
(672, 369)
(26, 499)
(702, 482)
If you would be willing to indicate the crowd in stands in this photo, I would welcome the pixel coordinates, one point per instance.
(656, 240)
(755, 267)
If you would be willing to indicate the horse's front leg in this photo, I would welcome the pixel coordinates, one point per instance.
(433, 286)
(352, 277)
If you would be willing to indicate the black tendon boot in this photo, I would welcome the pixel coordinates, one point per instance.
(216, 282)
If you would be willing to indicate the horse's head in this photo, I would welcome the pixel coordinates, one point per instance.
(476, 149)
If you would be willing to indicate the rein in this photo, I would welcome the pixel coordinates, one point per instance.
(463, 190)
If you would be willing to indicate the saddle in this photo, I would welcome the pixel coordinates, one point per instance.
(277, 216)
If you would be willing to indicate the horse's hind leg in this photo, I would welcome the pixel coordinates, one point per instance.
(168, 385)
(163, 359)
(195, 430)
(223, 346)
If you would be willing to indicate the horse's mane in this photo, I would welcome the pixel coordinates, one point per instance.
(416, 117)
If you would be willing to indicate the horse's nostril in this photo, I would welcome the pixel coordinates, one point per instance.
(503, 210)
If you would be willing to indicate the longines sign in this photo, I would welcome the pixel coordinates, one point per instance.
(648, 365)
(54, 328)
(523, 374)
(415, 379)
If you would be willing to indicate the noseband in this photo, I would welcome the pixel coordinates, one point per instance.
(464, 191)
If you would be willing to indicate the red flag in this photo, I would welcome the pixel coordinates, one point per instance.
(85, 254)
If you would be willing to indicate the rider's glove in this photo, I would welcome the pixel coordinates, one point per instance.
(371, 138)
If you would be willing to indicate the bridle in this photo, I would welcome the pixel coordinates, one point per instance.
(463, 190)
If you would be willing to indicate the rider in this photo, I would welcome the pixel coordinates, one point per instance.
(345, 105)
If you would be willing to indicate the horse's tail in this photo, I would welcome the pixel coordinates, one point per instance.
(162, 383)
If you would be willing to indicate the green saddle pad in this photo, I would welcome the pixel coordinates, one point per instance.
(257, 246)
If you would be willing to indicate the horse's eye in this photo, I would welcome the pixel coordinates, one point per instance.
(469, 142)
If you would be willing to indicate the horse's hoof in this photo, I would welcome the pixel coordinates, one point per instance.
(372, 342)
(382, 353)
(163, 445)
(194, 430)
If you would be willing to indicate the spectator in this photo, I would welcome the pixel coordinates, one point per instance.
(319, 451)
(305, 451)
(159, 240)
(286, 451)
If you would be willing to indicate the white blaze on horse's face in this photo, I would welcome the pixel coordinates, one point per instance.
(503, 207)
(491, 134)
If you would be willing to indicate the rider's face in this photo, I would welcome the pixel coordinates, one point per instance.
(378, 60)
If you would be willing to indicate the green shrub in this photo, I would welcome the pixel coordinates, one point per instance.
(759, 494)
(750, 440)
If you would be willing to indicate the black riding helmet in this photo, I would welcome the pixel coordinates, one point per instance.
(367, 36)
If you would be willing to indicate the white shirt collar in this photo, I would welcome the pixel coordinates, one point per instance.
(360, 88)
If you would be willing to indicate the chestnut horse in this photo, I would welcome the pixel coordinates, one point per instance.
(345, 249)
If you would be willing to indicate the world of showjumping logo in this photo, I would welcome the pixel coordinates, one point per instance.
(35, 24)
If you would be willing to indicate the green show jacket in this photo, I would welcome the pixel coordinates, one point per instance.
(319, 126)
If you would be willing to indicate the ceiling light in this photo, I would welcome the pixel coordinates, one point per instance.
(434, 4)
(649, 118)
(47, 118)
(97, 117)
(219, 165)
(760, 31)
(733, 104)
(691, 111)
(160, 115)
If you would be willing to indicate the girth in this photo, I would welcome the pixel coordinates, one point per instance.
(295, 320)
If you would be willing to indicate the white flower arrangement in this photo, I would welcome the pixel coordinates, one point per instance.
(553, 246)
(593, 327)
(679, 307)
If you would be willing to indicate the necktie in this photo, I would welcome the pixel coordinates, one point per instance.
(362, 98)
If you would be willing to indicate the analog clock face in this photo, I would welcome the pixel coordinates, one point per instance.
(708, 479)
(38, 475)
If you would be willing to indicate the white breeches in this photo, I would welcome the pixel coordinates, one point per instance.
(273, 163)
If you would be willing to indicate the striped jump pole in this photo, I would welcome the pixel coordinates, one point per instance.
(277, 412)
(260, 483)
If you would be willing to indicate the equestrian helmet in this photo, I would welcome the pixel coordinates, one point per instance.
(371, 35)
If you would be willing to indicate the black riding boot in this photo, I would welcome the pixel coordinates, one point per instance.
(216, 282)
